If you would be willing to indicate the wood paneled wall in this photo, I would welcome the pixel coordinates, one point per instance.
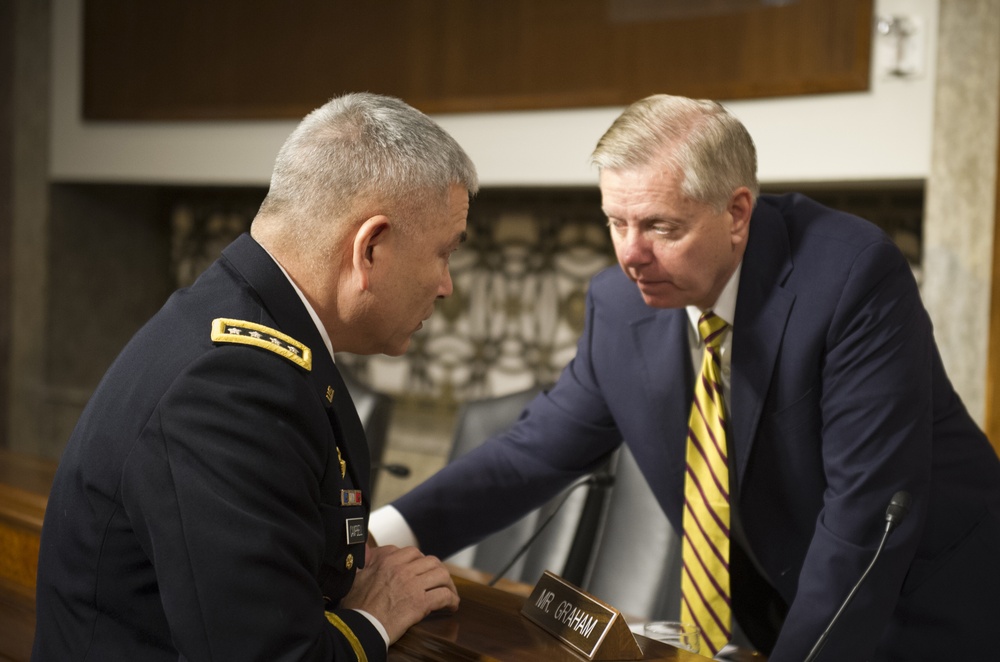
(177, 59)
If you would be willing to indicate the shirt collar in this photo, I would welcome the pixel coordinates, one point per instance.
(725, 306)
(312, 313)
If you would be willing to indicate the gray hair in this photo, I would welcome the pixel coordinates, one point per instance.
(700, 138)
(362, 148)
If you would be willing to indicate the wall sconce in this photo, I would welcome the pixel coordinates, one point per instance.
(900, 46)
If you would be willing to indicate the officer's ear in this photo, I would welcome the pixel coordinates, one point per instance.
(367, 248)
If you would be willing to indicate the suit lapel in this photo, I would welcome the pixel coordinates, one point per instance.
(661, 338)
(762, 309)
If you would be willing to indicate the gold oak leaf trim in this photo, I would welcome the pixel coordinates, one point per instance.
(241, 332)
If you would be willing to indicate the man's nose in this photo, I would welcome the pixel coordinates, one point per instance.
(633, 248)
(446, 287)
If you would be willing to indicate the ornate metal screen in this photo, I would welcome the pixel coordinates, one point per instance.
(519, 287)
(520, 282)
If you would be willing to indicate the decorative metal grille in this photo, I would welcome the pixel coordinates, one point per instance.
(519, 282)
(518, 303)
(519, 286)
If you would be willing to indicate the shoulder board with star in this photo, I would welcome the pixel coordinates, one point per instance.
(240, 332)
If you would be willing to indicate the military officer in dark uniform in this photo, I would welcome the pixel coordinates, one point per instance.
(212, 502)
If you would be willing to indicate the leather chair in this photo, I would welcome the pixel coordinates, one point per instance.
(565, 543)
(636, 562)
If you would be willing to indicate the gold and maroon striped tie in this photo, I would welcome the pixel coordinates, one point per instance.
(705, 597)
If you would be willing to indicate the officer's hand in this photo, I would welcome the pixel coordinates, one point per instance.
(400, 587)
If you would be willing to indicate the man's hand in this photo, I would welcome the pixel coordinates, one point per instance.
(400, 587)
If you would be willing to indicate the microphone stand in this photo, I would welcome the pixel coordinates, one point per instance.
(596, 480)
(898, 507)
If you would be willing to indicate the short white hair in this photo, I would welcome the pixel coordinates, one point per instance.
(362, 147)
(709, 146)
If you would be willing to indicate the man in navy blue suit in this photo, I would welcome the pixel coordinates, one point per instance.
(213, 500)
(835, 396)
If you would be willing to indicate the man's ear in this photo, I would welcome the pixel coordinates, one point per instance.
(740, 209)
(367, 240)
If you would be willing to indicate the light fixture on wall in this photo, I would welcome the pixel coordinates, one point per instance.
(899, 46)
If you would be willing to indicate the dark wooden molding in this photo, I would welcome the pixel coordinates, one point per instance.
(993, 352)
(255, 59)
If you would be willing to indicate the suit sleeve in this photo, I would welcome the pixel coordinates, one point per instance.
(561, 435)
(223, 491)
(876, 409)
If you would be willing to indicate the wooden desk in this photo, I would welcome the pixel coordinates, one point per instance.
(488, 627)
(24, 487)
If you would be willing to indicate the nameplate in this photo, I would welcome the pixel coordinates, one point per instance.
(580, 621)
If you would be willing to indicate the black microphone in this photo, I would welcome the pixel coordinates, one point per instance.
(398, 470)
(601, 479)
(898, 507)
(894, 514)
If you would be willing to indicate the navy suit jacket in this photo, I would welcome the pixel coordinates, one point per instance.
(838, 400)
(196, 513)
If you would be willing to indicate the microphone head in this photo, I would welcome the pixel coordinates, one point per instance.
(601, 480)
(399, 470)
(898, 507)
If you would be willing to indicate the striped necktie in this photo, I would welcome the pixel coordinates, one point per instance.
(705, 596)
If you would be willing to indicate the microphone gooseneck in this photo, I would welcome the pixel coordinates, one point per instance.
(602, 480)
(398, 470)
(894, 514)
